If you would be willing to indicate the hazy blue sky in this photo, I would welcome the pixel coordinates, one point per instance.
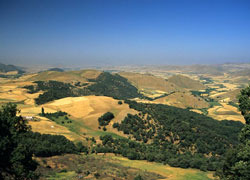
(91, 32)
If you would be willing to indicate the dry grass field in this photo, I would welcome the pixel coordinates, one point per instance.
(225, 112)
(149, 82)
(86, 111)
(170, 173)
(186, 82)
(9, 73)
(183, 100)
(46, 126)
(227, 96)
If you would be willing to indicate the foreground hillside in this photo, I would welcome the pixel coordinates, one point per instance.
(110, 166)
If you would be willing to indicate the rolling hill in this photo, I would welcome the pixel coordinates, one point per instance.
(148, 131)
(56, 69)
(150, 82)
(67, 76)
(183, 100)
(229, 96)
(186, 83)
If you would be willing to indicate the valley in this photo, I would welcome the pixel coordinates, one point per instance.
(187, 96)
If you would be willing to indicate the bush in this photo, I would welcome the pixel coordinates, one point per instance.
(105, 119)
(119, 102)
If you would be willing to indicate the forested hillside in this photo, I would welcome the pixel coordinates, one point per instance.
(52, 90)
(113, 86)
(172, 135)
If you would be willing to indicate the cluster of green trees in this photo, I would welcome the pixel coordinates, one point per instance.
(52, 115)
(207, 80)
(18, 144)
(105, 119)
(56, 116)
(167, 153)
(113, 85)
(56, 69)
(236, 164)
(52, 90)
(46, 145)
(181, 137)
(16, 159)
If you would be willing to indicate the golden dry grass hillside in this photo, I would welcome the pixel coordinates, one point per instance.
(84, 111)
(150, 82)
(67, 76)
(186, 82)
(226, 112)
(228, 96)
(183, 100)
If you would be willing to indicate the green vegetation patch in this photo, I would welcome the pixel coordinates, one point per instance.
(91, 167)
(195, 176)
(105, 119)
(159, 133)
(63, 175)
(113, 85)
(233, 104)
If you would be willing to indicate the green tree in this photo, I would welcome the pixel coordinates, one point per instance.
(16, 158)
(236, 165)
(43, 111)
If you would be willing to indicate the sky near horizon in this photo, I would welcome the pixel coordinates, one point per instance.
(124, 32)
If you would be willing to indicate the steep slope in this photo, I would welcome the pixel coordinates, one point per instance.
(186, 83)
